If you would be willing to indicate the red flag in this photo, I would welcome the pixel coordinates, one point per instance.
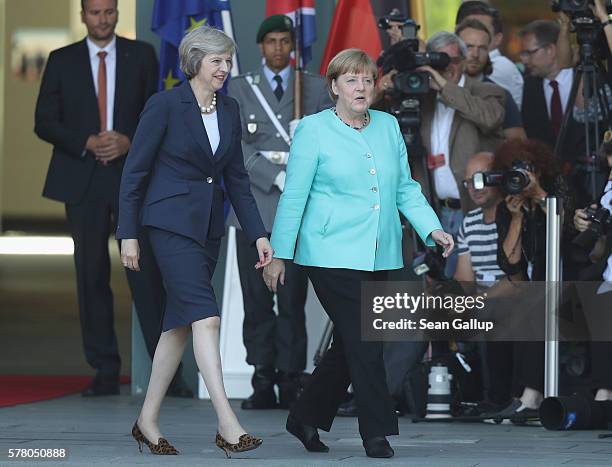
(354, 25)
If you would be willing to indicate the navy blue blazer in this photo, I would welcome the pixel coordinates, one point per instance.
(171, 179)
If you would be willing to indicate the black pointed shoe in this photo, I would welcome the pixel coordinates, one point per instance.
(378, 447)
(308, 435)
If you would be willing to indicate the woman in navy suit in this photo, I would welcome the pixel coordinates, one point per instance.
(188, 138)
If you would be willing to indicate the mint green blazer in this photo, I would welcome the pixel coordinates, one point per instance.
(343, 193)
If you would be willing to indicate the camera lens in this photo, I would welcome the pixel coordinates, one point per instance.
(414, 81)
(515, 181)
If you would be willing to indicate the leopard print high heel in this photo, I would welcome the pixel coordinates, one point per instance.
(162, 448)
(246, 442)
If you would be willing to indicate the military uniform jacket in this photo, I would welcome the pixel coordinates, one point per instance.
(259, 133)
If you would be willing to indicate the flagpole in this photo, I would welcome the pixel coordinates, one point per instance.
(297, 90)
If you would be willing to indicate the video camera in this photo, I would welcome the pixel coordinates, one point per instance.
(575, 8)
(405, 58)
(431, 262)
(512, 181)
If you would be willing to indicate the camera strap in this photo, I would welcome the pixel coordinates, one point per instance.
(264, 104)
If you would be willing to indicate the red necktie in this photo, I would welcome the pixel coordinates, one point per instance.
(556, 111)
(102, 90)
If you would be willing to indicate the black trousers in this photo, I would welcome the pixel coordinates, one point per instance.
(349, 360)
(271, 340)
(91, 223)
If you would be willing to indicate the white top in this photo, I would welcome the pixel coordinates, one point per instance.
(507, 75)
(111, 70)
(565, 78)
(444, 180)
(212, 130)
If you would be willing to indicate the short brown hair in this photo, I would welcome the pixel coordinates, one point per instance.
(472, 24)
(349, 61)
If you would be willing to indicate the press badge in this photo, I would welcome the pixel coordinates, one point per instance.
(435, 161)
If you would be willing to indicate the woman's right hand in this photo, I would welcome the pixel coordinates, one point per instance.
(274, 272)
(581, 221)
(515, 204)
(130, 253)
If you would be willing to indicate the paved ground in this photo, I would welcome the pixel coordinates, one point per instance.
(98, 432)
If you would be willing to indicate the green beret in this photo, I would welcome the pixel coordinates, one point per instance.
(274, 23)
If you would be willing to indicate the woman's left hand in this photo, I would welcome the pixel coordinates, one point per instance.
(534, 190)
(265, 251)
(445, 240)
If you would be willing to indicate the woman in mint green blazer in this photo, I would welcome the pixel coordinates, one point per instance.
(347, 181)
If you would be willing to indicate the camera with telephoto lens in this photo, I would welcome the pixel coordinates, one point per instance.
(512, 181)
(600, 224)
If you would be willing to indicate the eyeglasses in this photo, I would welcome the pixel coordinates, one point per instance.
(529, 53)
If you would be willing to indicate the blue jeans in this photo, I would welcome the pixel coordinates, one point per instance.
(451, 220)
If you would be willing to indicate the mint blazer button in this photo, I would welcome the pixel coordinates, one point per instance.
(373, 171)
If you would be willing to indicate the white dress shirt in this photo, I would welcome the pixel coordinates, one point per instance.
(212, 130)
(565, 78)
(111, 70)
(284, 74)
(507, 75)
(444, 180)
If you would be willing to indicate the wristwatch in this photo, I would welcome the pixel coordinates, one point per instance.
(608, 21)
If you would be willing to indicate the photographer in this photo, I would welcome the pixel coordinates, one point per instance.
(460, 117)
(601, 270)
(521, 252)
(477, 263)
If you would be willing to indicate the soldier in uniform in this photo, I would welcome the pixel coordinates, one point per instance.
(276, 345)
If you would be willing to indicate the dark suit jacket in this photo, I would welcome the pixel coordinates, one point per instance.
(538, 126)
(67, 110)
(476, 127)
(172, 180)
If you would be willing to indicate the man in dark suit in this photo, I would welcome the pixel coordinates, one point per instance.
(90, 97)
(545, 102)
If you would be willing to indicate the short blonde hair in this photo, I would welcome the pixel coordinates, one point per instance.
(200, 42)
(349, 61)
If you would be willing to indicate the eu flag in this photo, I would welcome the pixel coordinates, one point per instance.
(172, 19)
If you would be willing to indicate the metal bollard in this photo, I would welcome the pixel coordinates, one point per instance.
(553, 277)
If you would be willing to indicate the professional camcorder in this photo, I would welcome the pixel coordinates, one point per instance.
(405, 58)
(512, 181)
(431, 262)
(577, 7)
